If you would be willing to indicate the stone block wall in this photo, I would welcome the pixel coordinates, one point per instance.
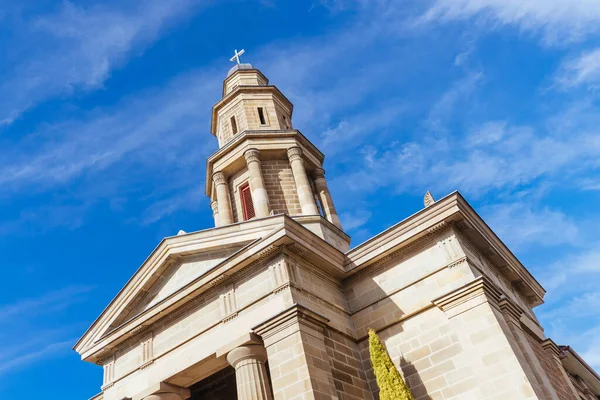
(349, 377)
(279, 183)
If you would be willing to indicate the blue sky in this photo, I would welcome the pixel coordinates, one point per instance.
(104, 130)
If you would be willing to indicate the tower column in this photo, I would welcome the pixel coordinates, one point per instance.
(257, 184)
(214, 205)
(250, 372)
(307, 200)
(224, 203)
(325, 197)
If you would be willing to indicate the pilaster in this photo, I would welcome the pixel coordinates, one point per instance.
(474, 317)
(297, 355)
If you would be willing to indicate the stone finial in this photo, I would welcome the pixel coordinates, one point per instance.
(181, 232)
(428, 199)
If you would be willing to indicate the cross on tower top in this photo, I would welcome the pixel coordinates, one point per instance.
(237, 55)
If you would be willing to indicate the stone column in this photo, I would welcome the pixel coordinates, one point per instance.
(325, 197)
(307, 201)
(223, 200)
(257, 184)
(163, 391)
(214, 205)
(164, 396)
(250, 372)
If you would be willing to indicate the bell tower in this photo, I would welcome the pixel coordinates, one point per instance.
(264, 166)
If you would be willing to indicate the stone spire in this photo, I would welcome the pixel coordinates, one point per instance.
(263, 166)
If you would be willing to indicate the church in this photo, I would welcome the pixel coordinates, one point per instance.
(273, 303)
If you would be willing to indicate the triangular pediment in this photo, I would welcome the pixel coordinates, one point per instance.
(170, 278)
(182, 268)
(172, 266)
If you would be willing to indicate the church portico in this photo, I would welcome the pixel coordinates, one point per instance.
(272, 304)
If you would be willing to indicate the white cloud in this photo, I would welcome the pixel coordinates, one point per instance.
(520, 225)
(583, 70)
(496, 156)
(76, 48)
(148, 130)
(25, 359)
(557, 21)
(355, 219)
(58, 299)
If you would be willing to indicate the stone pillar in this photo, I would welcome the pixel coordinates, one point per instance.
(325, 197)
(307, 201)
(257, 184)
(163, 391)
(214, 205)
(164, 396)
(250, 372)
(223, 200)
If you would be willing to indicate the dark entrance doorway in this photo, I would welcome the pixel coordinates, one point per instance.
(219, 386)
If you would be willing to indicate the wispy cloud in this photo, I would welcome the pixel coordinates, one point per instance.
(56, 300)
(33, 356)
(583, 70)
(30, 330)
(496, 156)
(76, 48)
(145, 135)
(521, 225)
(556, 21)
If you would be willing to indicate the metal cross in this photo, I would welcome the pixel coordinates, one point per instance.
(237, 55)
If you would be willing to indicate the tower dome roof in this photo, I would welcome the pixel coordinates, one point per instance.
(237, 67)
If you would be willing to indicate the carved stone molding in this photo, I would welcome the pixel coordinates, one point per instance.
(296, 314)
(219, 178)
(510, 309)
(252, 155)
(294, 154)
(476, 292)
(147, 348)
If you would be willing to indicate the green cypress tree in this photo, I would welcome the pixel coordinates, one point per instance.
(390, 382)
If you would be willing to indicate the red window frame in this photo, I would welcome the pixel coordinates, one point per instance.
(246, 200)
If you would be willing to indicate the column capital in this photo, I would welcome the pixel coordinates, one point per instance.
(252, 155)
(163, 391)
(219, 178)
(294, 154)
(247, 352)
(319, 173)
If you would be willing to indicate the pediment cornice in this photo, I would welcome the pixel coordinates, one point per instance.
(452, 210)
(261, 239)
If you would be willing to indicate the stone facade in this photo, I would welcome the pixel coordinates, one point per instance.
(278, 306)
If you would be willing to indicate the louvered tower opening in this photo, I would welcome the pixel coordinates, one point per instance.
(247, 204)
